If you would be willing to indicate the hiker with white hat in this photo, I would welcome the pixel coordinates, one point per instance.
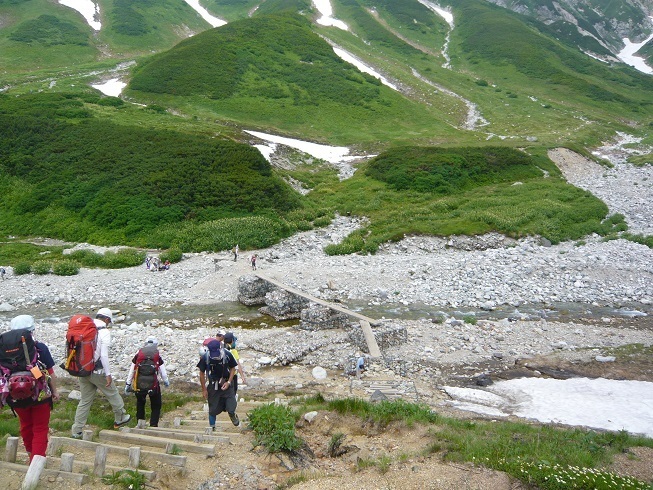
(100, 379)
(143, 379)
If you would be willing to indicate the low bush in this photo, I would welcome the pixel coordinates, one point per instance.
(126, 257)
(42, 267)
(22, 268)
(173, 255)
(65, 268)
(274, 427)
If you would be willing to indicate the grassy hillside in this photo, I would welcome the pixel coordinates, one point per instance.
(273, 71)
(437, 191)
(85, 179)
(168, 170)
(39, 34)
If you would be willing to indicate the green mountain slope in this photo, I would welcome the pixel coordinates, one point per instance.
(39, 34)
(167, 164)
(272, 70)
(60, 178)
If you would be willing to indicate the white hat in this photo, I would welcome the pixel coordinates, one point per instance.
(105, 312)
(151, 340)
(23, 322)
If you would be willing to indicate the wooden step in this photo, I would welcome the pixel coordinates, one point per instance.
(213, 438)
(153, 441)
(54, 463)
(46, 474)
(57, 442)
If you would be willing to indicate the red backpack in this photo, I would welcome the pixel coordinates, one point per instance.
(81, 340)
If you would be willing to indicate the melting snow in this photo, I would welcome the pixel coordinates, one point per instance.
(324, 7)
(350, 58)
(597, 403)
(111, 87)
(627, 55)
(89, 9)
(214, 21)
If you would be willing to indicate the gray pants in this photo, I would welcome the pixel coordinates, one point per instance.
(88, 387)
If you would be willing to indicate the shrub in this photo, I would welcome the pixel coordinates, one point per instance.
(274, 427)
(126, 257)
(22, 268)
(65, 268)
(471, 319)
(174, 255)
(41, 267)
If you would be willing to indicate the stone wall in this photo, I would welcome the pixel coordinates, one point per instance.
(320, 317)
(282, 305)
(252, 290)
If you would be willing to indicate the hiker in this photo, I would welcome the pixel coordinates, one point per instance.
(2, 272)
(235, 252)
(148, 259)
(230, 344)
(253, 260)
(166, 265)
(100, 379)
(143, 380)
(34, 415)
(217, 369)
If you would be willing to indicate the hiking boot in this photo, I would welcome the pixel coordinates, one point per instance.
(125, 418)
(77, 435)
(234, 419)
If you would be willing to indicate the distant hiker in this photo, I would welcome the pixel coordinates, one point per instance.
(28, 368)
(143, 380)
(253, 260)
(217, 370)
(166, 265)
(100, 379)
(2, 272)
(235, 252)
(230, 344)
(148, 259)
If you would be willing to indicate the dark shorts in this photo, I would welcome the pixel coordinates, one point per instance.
(221, 401)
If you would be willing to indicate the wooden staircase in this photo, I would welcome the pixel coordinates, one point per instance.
(81, 461)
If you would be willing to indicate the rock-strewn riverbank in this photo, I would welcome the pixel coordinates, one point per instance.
(479, 273)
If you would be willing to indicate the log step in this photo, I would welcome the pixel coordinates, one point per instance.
(213, 438)
(56, 442)
(153, 441)
(78, 478)
(54, 463)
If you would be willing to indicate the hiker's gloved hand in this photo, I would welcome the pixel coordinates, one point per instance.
(127, 389)
(166, 383)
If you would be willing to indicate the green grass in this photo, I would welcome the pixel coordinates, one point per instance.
(41, 259)
(539, 455)
(274, 428)
(545, 206)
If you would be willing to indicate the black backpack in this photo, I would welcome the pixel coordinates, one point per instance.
(216, 362)
(19, 363)
(147, 369)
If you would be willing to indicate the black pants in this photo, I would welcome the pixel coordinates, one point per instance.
(155, 401)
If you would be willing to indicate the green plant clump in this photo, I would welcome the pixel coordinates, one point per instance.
(274, 427)
(65, 268)
(128, 479)
(42, 267)
(22, 268)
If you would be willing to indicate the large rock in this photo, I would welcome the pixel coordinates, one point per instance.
(320, 317)
(252, 290)
(283, 305)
